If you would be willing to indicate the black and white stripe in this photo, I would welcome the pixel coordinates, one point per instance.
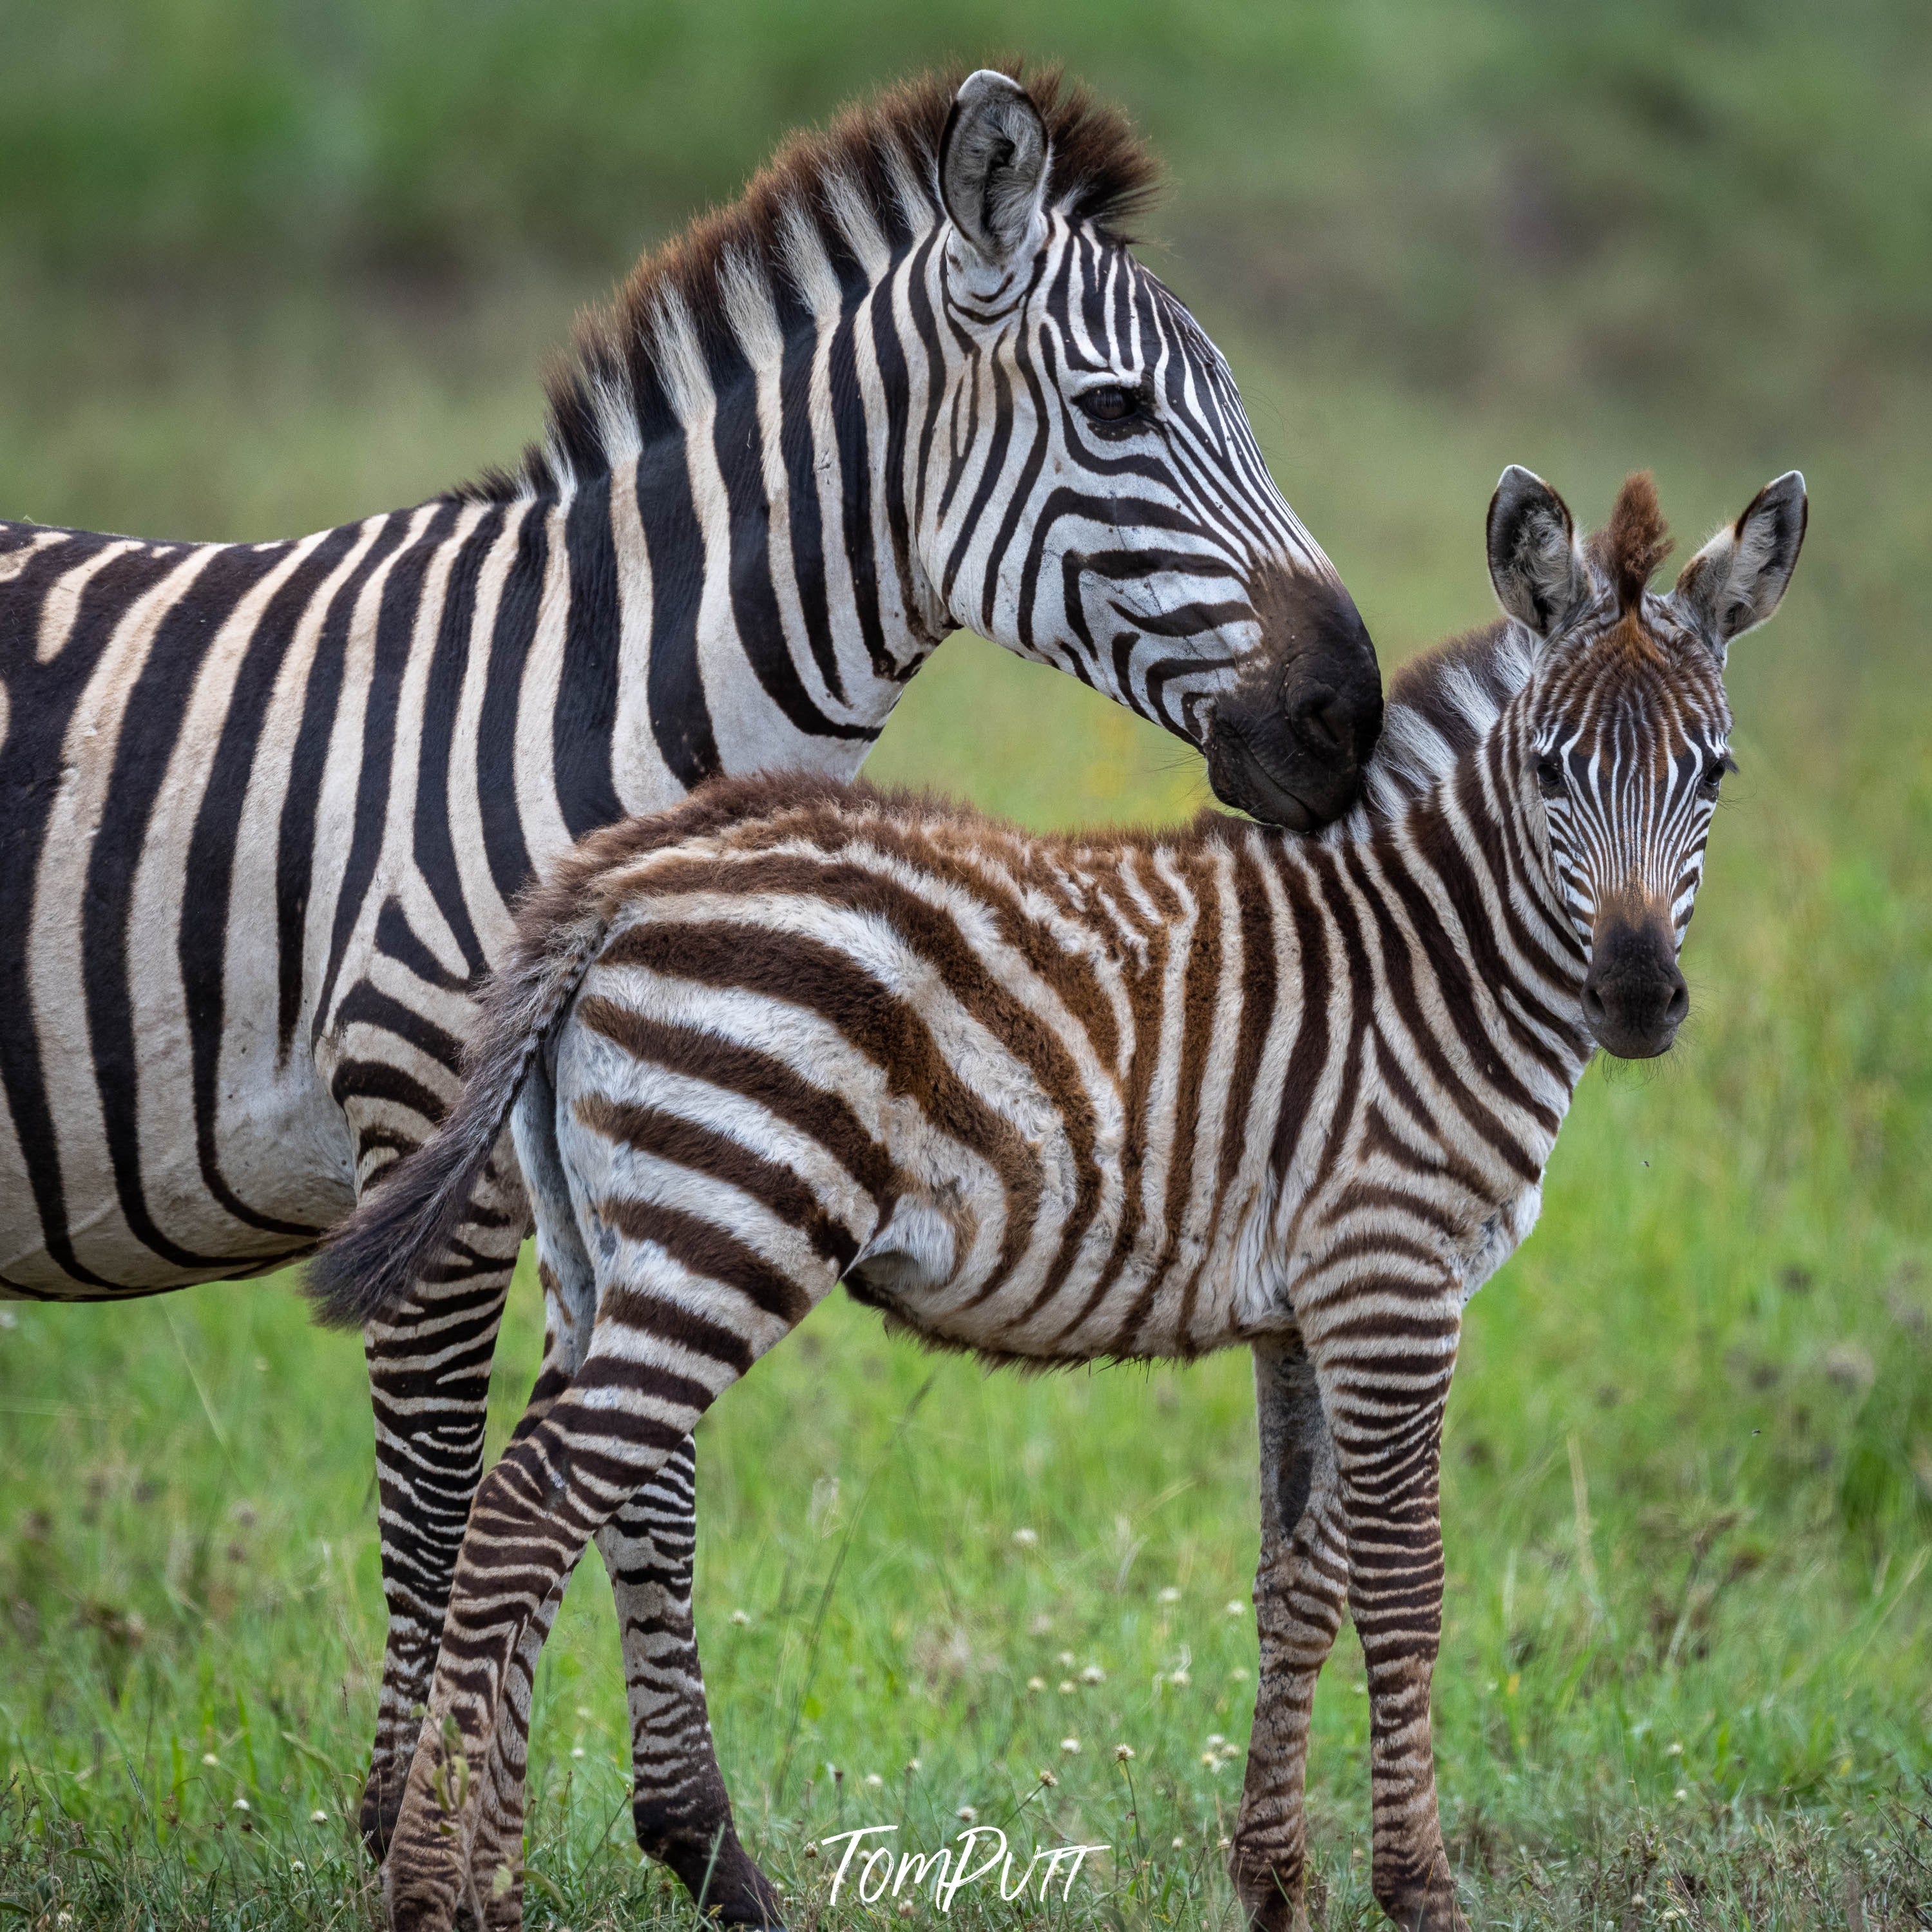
(1064, 1100)
(268, 805)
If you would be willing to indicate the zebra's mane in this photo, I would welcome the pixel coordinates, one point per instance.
(832, 207)
(1440, 705)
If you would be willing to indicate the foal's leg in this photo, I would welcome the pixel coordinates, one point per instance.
(666, 1342)
(1301, 1588)
(1384, 1348)
(681, 1808)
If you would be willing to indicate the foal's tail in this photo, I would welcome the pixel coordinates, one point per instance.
(371, 1263)
(369, 1268)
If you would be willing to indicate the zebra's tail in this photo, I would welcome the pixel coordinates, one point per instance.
(369, 1266)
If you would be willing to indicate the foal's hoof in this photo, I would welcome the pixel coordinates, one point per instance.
(1271, 1897)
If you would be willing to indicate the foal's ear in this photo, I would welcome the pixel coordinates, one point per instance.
(1537, 570)
(1736, 580)
(992, 166)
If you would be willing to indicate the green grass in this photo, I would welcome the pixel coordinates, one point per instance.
(1688, 1479)
(1688, 1486)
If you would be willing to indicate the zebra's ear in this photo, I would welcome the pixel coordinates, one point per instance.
(1534, 563)
(992, 165)
(1738, 579)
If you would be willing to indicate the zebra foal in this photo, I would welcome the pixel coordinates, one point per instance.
(1066, 1099)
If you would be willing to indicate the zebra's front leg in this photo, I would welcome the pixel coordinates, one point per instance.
(682, 1809)
(1301, 1587)
(429, 1380)
(1384, 1350)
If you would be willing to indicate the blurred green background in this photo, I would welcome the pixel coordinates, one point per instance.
(266, 267)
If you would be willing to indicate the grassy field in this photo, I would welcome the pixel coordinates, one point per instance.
(1686, 1670)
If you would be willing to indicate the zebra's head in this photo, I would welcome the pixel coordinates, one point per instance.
(1089, 492)
(1624, 728)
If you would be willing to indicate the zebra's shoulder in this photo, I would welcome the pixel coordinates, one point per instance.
(1440, 705)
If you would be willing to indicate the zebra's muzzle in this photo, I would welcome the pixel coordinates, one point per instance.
(1288, 748)
(1634, 997)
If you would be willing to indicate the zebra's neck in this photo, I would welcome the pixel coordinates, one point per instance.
(736, 591)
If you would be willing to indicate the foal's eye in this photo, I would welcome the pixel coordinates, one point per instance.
(1715, 766)
(1549, 776)
(1110, 404)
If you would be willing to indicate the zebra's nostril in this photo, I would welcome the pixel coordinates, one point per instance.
(1322, 719)
(1680, 1005)
(1593, 1006)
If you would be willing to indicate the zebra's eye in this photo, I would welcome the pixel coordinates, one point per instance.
(1715, 766)
(1550, 775)
(1110, 404)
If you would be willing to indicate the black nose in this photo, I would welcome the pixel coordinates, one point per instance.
(1634, 997)
(1289, 745)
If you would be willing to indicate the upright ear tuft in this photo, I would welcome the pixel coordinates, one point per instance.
(992, 165)
(1738, 579)
(1634, 541)
(1535, 564)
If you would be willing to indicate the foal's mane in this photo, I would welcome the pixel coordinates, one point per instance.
(871, 176)
(1441, 703)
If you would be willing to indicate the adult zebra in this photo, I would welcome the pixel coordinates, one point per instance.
(1071, 1098)
(267, 804)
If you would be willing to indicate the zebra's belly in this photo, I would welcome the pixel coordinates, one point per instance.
(89, 1210)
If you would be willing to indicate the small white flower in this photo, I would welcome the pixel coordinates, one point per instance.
(1035, 1683)
(240, 1804)
(740, 1618)
(905, 1908)
(1673, 1750)
(1224, 1844)
(1066, 1660)
(585, 1711)
(296, 1865)
(811, 1849)
(1179, 1679)
(1236, 1608)
(209, 1758)
(1026, 1538)
(1213, 1762)
(318, 1817)
(912, 1767)
(966, 1814)
(1123, 1752)
(1237, 1675)
(1682, 1794)
(1071, 1746)
(1169, 1595)
(1215, 1741)
(1047, 1777)
(576, 1751)
(1092, 1674)
(873, 1781)
(1181, 1844)
(1067, 1687)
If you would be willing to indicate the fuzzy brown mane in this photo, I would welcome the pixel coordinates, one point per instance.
(1629, 546)
(882, 154)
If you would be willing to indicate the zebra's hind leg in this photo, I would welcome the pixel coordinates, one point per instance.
(429, 1381)
(1301, 1587)
(679, 1801)
(678, 1320)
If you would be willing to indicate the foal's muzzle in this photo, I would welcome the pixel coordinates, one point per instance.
(1634, 997)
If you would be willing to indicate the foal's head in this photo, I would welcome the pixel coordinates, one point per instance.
(1624, 726)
